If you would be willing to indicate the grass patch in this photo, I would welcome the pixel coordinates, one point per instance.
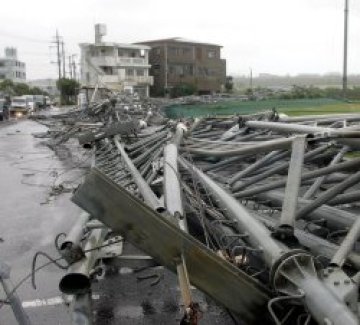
(339, 108)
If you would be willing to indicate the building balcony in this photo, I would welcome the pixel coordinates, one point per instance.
(112, 61)
(129, 80)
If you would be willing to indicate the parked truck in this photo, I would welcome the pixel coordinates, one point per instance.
(20, 105)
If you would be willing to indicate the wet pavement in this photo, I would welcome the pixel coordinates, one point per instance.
(31, 218)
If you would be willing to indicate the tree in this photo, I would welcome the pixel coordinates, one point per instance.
(7, 86)
(229, 84)
(38, 91)
(21, 89)
(69, 89)
(183, 89)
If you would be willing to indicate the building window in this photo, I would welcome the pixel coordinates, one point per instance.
(121, 53)
(177, 51)
(140, 72)
(203, 72)
(157, 50)
(181, 69)
(108, 70)
(211, 54)
(129, 72)
(186, 50)
(134, 54)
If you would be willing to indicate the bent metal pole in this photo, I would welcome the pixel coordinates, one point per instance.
(149, 197)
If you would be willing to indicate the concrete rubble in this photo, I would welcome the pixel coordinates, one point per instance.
(257, 212)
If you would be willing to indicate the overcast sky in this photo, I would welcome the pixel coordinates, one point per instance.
(270, 36)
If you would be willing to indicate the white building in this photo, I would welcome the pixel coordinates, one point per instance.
(11, 68)
(121, 67)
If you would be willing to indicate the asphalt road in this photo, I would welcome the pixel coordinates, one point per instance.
(31, 218)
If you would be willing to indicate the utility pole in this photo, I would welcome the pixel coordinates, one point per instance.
(70, 67)
(63, 59)
(251, 81)
(346, 22)
(58, 61)
(74, 66)
(166, 68)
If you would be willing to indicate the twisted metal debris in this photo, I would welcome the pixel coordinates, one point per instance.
(260, 212)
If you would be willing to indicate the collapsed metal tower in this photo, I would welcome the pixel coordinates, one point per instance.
(259, 212)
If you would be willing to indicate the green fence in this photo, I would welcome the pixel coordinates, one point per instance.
(248, 107)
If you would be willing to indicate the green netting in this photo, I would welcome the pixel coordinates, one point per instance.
(248, 107)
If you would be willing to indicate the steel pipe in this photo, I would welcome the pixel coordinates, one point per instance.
(319, 181)
(77, 279)
(329, 194)
(82, 309)
(347, 244)
(149, 197)
(306, 129)
(287, 218)
(73, 238)
(292, 271)
(262, 146)
(272, 156)
(305, 176)
(277, 169)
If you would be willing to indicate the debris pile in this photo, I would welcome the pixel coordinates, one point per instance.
(259, 212)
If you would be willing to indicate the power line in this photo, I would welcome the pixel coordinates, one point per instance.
(25, 38)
